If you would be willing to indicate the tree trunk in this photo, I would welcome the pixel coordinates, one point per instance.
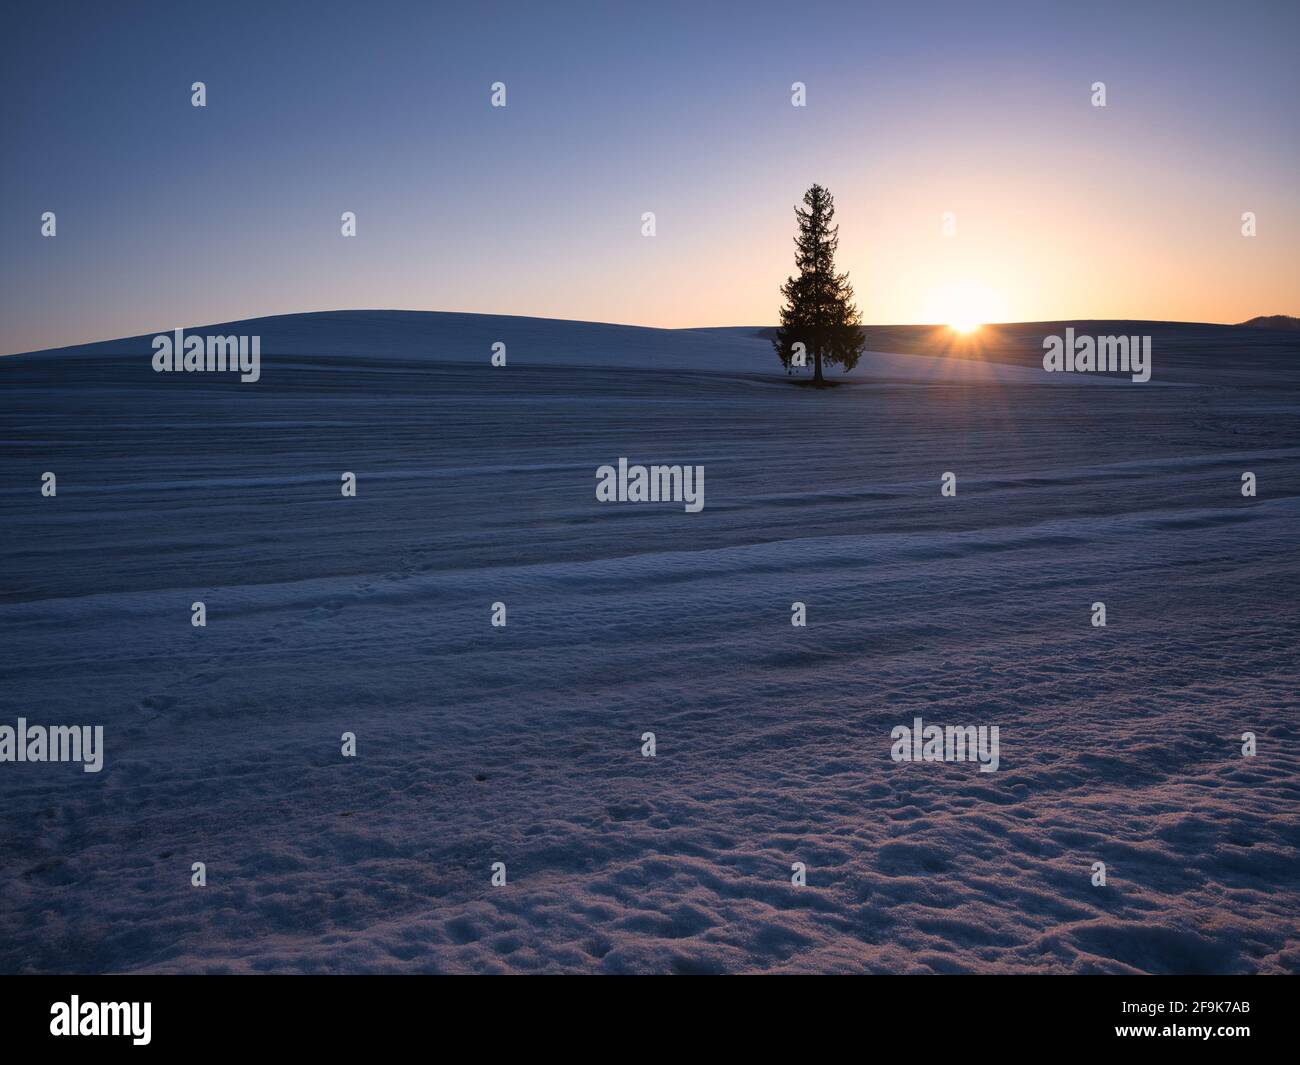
(817, 372)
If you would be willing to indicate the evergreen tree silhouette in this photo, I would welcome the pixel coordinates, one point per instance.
(819, 311)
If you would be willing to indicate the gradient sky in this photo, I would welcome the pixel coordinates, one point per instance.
(171, 215)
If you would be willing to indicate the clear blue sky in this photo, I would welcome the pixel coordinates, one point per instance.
(172, 215)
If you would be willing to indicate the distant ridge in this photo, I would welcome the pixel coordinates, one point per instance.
(1274, 321)
(374, 341)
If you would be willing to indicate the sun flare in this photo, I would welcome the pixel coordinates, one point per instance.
(965, 306)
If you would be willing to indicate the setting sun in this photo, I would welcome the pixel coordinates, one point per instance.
(965, 306)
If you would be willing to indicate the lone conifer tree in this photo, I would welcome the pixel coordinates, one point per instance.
(819, 311)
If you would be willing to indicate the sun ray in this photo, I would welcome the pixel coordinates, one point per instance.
(965, 306)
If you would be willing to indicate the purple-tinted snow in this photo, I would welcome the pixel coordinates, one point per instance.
(522, 745)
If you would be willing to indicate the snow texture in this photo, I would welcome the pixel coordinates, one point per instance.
(523, 744)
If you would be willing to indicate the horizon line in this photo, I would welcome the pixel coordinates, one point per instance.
(620, 325)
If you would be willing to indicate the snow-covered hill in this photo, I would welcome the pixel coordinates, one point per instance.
(523, 744)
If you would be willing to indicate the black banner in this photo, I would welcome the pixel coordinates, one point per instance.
(348, 1013)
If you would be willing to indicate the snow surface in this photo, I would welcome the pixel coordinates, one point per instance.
(522, 744)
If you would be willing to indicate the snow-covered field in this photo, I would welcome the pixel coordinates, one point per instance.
(522, 744)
